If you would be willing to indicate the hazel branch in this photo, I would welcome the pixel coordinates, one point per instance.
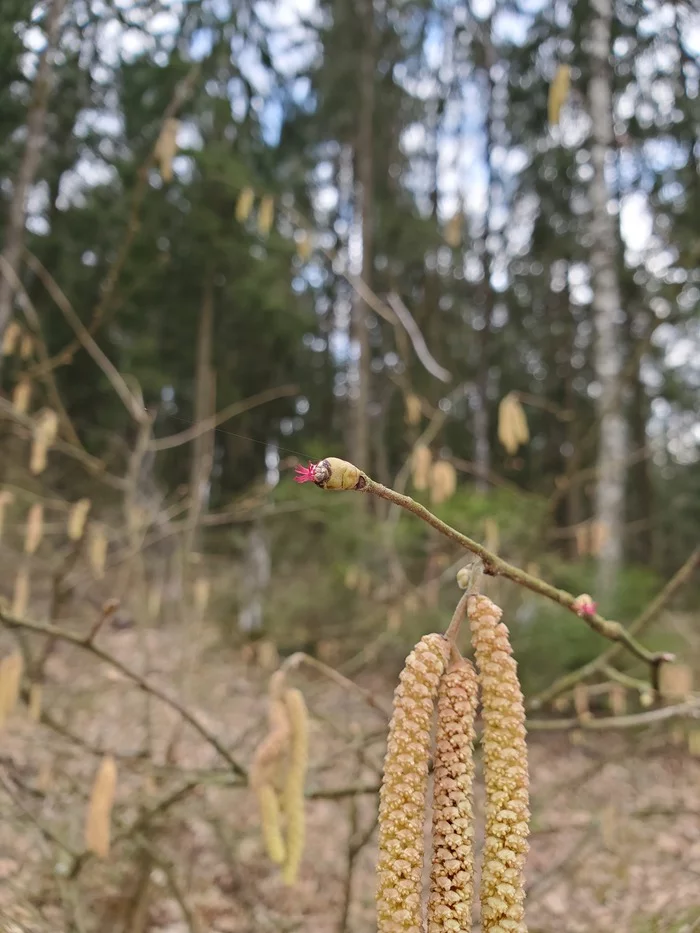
(334, 474)
(86, 644)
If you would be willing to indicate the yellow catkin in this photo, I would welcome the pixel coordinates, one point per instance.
(268, 801)
(11, 669)
(10, 338)
(77, 518)
(304, 244)
(166, 147)
(99, 814)
(35, 702)
(97, 550)
(35, 528)
(402, 799)
(26, 346)
(21, 396)
(267, 767)
(45, 431)
(443, 482)
(244, 204)
(414, 409)
(6, 498)
(452, 875)
(453, 230)
(20, 600)
(294, 783)
(512, 424)
(266, 215)
(421, 461)
(505, 773)
(558, 93)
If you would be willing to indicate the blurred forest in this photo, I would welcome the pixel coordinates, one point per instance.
(455, 243)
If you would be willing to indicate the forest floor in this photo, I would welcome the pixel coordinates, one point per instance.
(616, 821)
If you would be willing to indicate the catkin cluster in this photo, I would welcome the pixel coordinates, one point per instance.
(402, 798)
(280, 761)
(402, 808)
(505, 772)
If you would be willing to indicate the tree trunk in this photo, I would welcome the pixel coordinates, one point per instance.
(364, 168)
(607, 312)
(36, 121)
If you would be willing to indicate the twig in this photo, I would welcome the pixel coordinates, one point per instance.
(417, 339)
(36, 138)
(32, 318)
(82, 642)
(689, 709)
(146, 817)
(115, 378)
(168, 870)
(42, 827)
(94, 465)
(231, 411)
(496, 566)
(562, 684)
(301, 657)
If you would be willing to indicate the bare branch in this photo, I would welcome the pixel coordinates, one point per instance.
(53, 631)
(231, 411)
(417, 339)
(36, 120)
(115, 378)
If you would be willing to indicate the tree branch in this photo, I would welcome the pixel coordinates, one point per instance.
(53, 631)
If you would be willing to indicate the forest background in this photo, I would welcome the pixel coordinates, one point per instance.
(456, 243)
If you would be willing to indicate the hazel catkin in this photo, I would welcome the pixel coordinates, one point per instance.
(452, 874)
(294, 784)
(402, 798)
(266, 769)
(505, 772)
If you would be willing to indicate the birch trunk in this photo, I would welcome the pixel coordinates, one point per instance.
(36, 122)
(364, 169)
(607, 311)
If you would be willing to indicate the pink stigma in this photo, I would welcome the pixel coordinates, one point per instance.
(306, 474)
(587, 609)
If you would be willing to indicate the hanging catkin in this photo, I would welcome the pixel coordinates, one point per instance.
(267, 767)
(97, 550)
(558, 93)
(99, 814)
(294, 783)
(421, 461)
(77, 518)
(45, 431)
(512, 424)
(11, 669)
(452, 875)
(20, 600)
(244, 204)
(10, 338)
(21, 396)
(35, 528)
(505, 772)
(402, 799)
(6, 498)
(266, 215)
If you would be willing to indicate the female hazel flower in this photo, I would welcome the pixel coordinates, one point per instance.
(305, 474)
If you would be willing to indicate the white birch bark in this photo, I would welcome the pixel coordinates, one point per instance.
(607, 311)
